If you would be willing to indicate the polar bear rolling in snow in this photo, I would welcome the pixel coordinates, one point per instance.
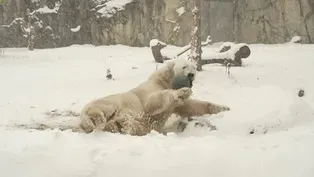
(149, 105)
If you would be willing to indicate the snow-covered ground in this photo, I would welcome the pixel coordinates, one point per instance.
(262, 96)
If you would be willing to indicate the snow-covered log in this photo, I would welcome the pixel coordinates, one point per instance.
(225, 46)
(228, 52)
(232, 54)
(156, 47)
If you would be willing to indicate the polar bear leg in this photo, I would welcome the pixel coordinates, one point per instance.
(164, 101)
(192, 107)
(95, 118)
(128, 122)
(160, 105)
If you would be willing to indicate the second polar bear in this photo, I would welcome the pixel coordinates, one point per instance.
(147, 106)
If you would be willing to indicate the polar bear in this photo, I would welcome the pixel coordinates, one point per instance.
(147, 106)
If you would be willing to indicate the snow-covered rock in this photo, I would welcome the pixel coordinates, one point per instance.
(180, 11)
(76, 29)
(111, 7)
(296, 39)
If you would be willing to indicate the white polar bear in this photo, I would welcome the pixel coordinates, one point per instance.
(148, 106)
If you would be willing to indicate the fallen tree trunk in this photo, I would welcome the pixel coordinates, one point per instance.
(228, 53)
(231, 55)
(157, 45)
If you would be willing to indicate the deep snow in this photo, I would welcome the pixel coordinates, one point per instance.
(262, 96)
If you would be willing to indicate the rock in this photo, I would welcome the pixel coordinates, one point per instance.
(301, 93)
(296, 39)
(136, 22)
(274, 21)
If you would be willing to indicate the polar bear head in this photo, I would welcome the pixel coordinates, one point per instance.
(184, 67)
(180, 72)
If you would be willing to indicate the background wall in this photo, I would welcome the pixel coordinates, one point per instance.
(250, 21)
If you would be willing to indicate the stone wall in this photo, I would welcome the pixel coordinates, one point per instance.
(79, 22)
(274, 21)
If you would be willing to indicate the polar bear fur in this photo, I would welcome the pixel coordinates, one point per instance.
(147, 106)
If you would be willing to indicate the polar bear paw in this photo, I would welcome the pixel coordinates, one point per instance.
(223, 108)
(217, 108)
(184, 93)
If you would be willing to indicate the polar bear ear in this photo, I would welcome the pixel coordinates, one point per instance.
(170, 64)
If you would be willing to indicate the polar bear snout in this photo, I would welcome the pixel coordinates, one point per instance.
(191, 76)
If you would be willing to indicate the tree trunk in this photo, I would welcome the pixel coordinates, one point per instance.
(196, 35)
(31, 35)
(31, 38)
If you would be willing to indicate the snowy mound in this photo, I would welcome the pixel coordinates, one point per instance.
(296, 39)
